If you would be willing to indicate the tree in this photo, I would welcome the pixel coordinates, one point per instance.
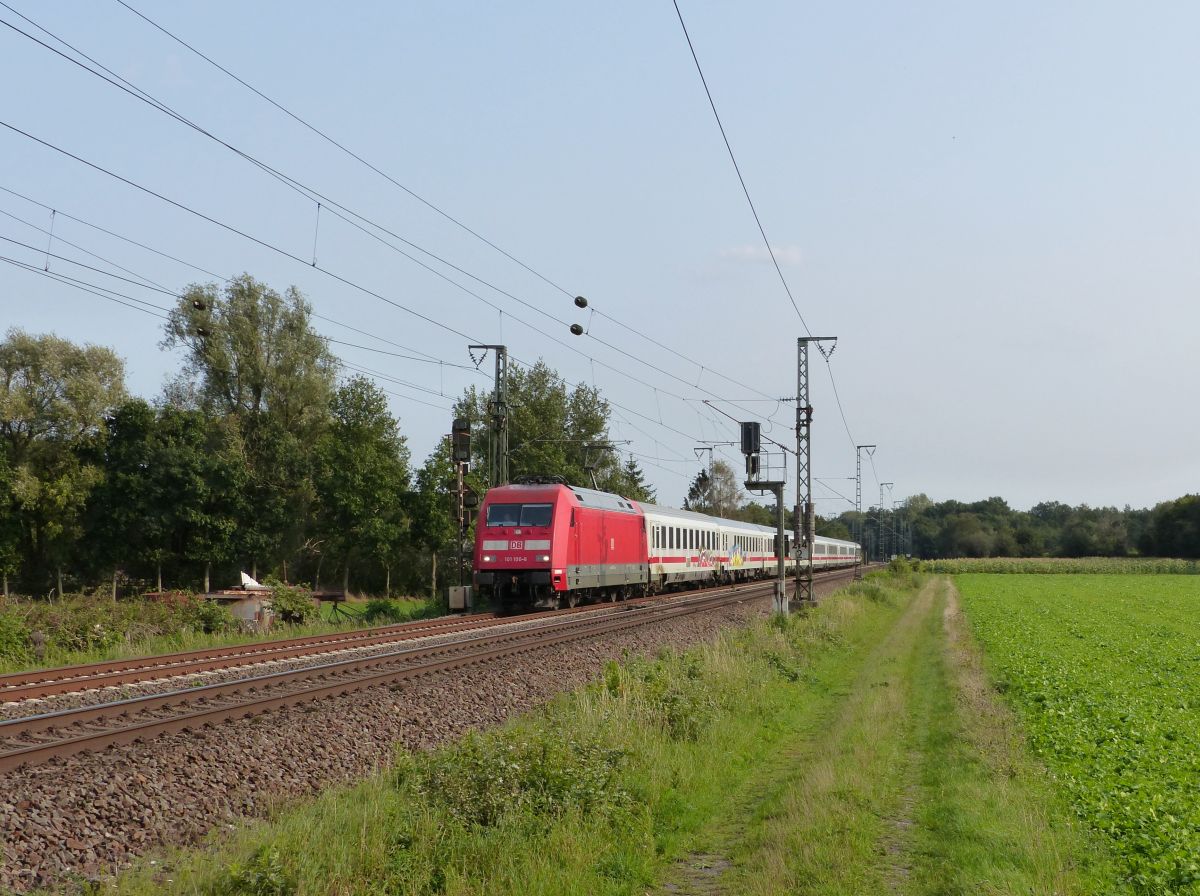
(171, 492)
(251, 351)
(53, 398)
(550, 427)
(1174, 528)
(717, 493)
(10, 531)
(254, 360)
(362, 477)
(630, 482)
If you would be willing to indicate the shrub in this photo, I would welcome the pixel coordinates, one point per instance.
(263, 875)
(292, 605)
(14, 637)
(210, 617)
(380, 612)
(543, 772)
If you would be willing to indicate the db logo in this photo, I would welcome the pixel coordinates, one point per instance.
(516, 545)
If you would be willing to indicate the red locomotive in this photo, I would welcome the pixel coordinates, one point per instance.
(550, 544)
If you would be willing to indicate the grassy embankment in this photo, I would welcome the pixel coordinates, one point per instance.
(91, 630)
(851, 749)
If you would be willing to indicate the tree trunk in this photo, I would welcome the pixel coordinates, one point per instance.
(207, 570)
(387, 580)
(114, 587)
(254, 570)
(433, 578)
(317, 574)
(285, 572)
(60, 591)
(159, 570)
(6, 585)
(346, 579)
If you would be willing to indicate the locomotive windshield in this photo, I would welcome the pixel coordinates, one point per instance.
(519, 514)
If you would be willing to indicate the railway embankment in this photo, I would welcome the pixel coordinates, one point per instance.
(86, 816)
(854, 748)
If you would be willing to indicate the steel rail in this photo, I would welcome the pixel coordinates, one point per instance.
(15, 687)
(364, 673)
(62, 679)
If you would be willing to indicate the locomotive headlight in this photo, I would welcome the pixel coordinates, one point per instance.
(545, 558)
(487, 558)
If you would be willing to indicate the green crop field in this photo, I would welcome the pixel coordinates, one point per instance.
(1105, 672)
(1133, 566)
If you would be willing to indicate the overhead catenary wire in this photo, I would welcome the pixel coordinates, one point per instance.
(757, 219)
(737, 168)
(188, 264)
(426, 202)
(160, 311)
(527, 365)
(333, 275)
(309, 193)
(350, 217)
(338, 277)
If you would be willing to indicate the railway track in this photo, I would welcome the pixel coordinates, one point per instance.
(36, 739)
(68, 679)
(42, 683)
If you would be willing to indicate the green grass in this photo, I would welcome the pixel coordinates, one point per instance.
(914, 785)
(184, 639)
(857, 748)
(596, 794)
(1105, 674)
(1133, 566)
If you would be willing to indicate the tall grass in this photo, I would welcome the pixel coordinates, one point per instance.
(1063, 565)
(82, 629)
(594, 794)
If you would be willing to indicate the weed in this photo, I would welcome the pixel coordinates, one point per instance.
(262, 875)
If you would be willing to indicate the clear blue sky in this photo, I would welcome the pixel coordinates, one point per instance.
(994, 206)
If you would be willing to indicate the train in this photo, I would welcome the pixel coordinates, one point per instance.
(544, 545)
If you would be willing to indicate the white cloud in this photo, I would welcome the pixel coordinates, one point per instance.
(785, 255)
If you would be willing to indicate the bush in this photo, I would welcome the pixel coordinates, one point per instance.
(292, 605)
(263, 875)
(14, 637)
(381, 612)
(544, 772)
(210, 617)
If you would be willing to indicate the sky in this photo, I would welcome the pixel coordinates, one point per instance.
(994, 207)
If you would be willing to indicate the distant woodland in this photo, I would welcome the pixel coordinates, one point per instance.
(263, 455)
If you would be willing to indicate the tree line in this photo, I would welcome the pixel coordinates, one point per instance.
(255, 457)
(258, 457)
(990, 528)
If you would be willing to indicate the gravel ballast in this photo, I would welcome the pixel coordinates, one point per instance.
(90, 815)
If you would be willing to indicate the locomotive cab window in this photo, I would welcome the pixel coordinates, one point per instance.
(519, 514)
